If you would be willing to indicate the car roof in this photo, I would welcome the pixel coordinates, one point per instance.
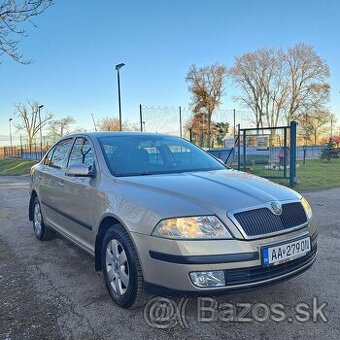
(116, 133)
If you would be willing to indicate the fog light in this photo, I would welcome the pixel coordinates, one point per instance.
(208, 279)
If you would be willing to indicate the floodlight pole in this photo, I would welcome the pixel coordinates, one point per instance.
(118, 67)
(10, 134)
(39, 108)
(180, 122)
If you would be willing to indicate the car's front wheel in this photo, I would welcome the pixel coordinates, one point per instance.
(41, 231)
(122, 270)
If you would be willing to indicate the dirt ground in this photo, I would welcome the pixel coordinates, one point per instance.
(49, 290)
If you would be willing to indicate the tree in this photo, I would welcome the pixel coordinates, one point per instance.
(13, 14)
(262, 78)
(59, 127)
(220, 130)
(206, 85)
(308, 87)
(108, 124)
(336, 140)
(29, 120)
(198, 126)
(278, 85)
(112, 124)
(313, 125)
(329, 151)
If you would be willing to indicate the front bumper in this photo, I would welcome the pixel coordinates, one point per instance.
(167, 263)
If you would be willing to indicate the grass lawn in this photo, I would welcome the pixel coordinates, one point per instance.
(9, 167)
(314, 175)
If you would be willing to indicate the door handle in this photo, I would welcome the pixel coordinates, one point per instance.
(40, 176)
(61, 184)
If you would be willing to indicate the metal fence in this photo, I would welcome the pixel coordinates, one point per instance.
(268, 152)
(33, 152)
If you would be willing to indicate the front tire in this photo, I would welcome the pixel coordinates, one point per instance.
(121, 268)
(41, 231)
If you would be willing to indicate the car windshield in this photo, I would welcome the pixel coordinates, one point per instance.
(150, 155)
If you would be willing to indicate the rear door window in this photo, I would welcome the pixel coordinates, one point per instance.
(82, 152)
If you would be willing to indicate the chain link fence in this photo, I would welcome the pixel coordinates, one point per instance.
(175, 120)
(170, 120)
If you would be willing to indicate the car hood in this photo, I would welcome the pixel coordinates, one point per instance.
(225, 189)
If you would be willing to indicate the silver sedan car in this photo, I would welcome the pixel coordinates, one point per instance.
(160, 214)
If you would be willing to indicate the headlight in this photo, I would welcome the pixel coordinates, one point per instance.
(307, 208)
(200, 227)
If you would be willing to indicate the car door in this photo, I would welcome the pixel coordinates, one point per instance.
(42, 172)
(51, 175)
(78, 193)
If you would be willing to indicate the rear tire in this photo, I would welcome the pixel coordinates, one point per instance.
(121, 268)
(41, 231)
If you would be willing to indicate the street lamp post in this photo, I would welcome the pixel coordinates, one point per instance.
(332, 126)
(118, 67)
(39, 108)
(10, 134)
(306, 138)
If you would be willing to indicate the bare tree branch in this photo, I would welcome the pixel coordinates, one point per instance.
(262, 79)
(112, 124)
(313, 125)
(308, 87)
(13, 15)
(281, 86)
(29, 121)
(60, 127)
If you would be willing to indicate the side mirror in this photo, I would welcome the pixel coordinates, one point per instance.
(79, 170)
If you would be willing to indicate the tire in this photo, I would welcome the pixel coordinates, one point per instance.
(121, 268)
(41, 231)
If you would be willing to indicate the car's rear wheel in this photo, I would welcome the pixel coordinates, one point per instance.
(41, 231)
(122, 270)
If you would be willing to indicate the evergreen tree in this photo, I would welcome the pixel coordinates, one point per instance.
(329, 151)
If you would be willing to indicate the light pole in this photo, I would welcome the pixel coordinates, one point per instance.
(94, 123)
(180, 122)
(39, 108)
(10, 134)
(331, 125)
(144, 126)
(306, 138)
(118, 67)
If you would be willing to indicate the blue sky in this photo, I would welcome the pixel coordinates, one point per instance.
(77, 43)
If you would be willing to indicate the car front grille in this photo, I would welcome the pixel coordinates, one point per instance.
(259, 273)
(262, 221)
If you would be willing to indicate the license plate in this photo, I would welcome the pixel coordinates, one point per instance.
(284, 252)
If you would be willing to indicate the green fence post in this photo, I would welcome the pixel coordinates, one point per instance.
(292, 168)
(285, 152)
(244, 150)
(239, 149)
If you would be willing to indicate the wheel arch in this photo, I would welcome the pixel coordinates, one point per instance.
(30, 206)
(107, 222)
